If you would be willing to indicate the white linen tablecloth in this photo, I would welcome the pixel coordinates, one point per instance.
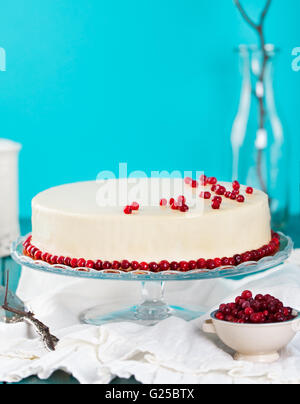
(173, 351)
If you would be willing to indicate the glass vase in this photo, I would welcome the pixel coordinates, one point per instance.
(259, 140)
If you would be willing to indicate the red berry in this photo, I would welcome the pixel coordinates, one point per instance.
(116, 265)
(220, 190)
(232, 196)
(128, 210)
(212, 180)
(175, 266)
(249, 311)
(217, 199)
(184, 266)
(219, 316)
(240, 199)
(247, 295)
(81, 263)
(74, 263)
(218, 262)
(246, 257)
(188, 180)
(106, 265)
(163, 202)
(90, 264)
(144, 266)
(38, 255)
(214, 188)
(174, 206)
(201, 263)
(99, 265)
(207, 195)
(181, 200)
(225, 261)
(184, 208)
(125, 265)
(211, 264)
(227, 194)
(249, 190)
(135, 265)
(238, 259)
(215, 205)
(61, 261)
(164, 266)
(154, 267)
(135, 206)
(192, 265)
(171, 201)
(236, 185)
(195, 184)
(67, 261)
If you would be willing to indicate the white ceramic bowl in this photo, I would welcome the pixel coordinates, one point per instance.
(254, 342)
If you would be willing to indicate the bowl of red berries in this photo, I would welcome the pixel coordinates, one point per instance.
(257, 328)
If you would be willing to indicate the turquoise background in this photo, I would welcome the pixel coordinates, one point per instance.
(91, 83)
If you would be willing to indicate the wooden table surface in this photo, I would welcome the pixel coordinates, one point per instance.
(293, 229)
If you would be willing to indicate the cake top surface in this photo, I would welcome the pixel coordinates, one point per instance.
(111, 196)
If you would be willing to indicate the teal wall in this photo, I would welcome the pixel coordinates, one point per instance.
(91, 83)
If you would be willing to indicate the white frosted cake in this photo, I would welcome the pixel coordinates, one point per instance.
(84, 224)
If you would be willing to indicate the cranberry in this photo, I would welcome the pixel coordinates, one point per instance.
(231, 261)
(233, 196)
(81, 263)
(214, 188)
(238, 259)
(218, 262)
(192, 265)
(246, 257)
(215, 205)
(116, 265)
(164, 266)
(174, 206)
(106, 265)
(212, 180)
(61, 260)
(240, 199)
(249, 190)
(220, 190)
(184, 208)
(99, 265)
(144, 266)
(217, 199)
(175, 266)
(172, 201)
(225, 261)
(236, 185)
(259, 298)
(201, 263)
(90, 264)
(163, 202)
(195, 184)
(135, 206)
(181, 200)
(38, 255)
(74, 263)
(211, 264)
(220, 316)
(188, 180)
(68, 261)
(154, 267)
(125, 265)
(128, 210)
(135, 265)
(249, 311)
(222, 308)
(247, 295)
(184, 266)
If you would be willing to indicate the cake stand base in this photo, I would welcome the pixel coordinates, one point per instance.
(152, 309)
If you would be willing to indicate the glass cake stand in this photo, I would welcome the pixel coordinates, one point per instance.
(153, 307)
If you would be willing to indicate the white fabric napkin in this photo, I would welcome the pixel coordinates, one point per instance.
(173, 351)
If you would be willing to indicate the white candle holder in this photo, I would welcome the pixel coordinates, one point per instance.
(9, 195)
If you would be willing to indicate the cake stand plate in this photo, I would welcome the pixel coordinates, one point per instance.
(153, 307)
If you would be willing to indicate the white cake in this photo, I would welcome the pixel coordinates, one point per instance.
(68, 221)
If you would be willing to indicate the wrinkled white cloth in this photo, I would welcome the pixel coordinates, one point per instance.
(173, 351)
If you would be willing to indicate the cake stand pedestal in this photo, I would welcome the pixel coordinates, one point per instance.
(153, 307)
